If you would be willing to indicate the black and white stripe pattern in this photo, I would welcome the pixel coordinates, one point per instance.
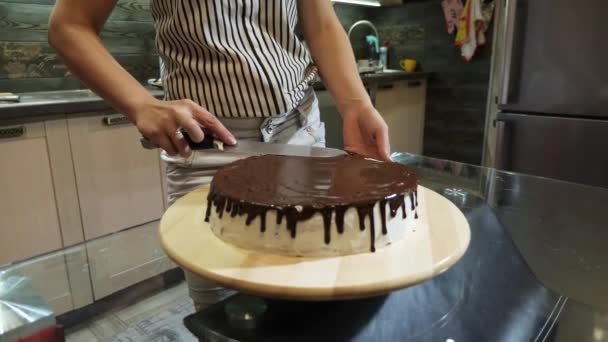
(237, 58)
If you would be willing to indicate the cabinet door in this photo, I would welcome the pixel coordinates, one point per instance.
(29, 224)
(49, 278)
(119, 182)
(121, 260)
(332, 119)
(402, 106)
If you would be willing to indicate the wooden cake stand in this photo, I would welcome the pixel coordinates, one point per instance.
(440, 238)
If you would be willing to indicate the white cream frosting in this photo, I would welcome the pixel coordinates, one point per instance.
(310, 240)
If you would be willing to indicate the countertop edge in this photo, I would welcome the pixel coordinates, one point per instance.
(34, 111)
(383, 78)
(24, 111)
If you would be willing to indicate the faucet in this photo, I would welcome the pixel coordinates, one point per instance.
(362, 22)
(370, 40)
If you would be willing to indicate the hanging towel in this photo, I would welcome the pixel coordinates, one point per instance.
(472, 27)
(452, 10)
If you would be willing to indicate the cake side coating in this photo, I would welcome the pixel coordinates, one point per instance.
(297, 189)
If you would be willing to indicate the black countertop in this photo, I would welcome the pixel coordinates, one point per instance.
(41, 105)
(383, 78)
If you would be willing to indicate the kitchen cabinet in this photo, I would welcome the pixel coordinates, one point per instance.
(402, 105)
(119, 182)
(115, 264)
(332, 120)
(49, 279)
(29, 220)
(39, 212)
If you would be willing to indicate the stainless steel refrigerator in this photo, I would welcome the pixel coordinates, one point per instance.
(553, 102)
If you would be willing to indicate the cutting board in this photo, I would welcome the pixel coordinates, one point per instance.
(439, 240)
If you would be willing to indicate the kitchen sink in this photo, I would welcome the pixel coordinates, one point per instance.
(59, 95)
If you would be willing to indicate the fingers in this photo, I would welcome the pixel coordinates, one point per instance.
(166, 144)
(383, 143)
(180, 144)
(187, 121)
(210, 122)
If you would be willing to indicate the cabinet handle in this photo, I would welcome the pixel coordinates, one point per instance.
(386, 86)
(115, 120)
(12, 132)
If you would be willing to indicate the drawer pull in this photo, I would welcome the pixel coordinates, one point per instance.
(12, 132)
(386, 86)
(115, 120)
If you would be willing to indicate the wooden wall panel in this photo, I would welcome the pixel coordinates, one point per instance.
(28, 63)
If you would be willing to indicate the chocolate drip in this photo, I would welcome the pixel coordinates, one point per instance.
(394, 204)
(292, 221)
(340, 219)
(236, 209)
(299, 187)
(365, 211)
(279, 217)
(229, 205)
(372, 230)
(362, 212)
(415, 203)
(383, 216)
(250, 216)
(209, 205)
(412, 201)
(263, 220)
(327, 224)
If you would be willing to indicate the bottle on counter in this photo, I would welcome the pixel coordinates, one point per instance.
(383, 55)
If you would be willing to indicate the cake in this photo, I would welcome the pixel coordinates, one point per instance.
(312, 207)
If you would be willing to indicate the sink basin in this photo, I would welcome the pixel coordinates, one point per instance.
(389, 71)
(60, 95)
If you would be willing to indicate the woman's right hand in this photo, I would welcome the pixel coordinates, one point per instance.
(161, 121)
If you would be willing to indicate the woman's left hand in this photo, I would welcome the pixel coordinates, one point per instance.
(366, 133)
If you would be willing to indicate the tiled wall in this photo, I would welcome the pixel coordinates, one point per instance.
(27, 63)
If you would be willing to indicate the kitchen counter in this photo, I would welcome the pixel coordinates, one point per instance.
(52, 103)
(534, 271)
(383, 78)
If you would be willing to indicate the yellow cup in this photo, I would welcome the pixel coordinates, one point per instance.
(408, 64)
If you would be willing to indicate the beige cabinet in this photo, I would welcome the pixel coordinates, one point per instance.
(118, 261)
(29, 222)
(402, 105)
(118, 182)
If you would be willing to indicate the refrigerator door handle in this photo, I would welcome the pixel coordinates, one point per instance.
(503, 144)
(509, 37)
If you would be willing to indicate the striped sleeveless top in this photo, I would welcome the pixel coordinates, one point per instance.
(236, 58)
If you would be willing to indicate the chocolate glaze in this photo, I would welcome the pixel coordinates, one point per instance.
(299, 187)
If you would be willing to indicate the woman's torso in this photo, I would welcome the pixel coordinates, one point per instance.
(236, 58)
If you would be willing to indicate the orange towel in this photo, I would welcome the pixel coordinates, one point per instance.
(472, 27)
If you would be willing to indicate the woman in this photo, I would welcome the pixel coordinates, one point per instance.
(233, 67)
